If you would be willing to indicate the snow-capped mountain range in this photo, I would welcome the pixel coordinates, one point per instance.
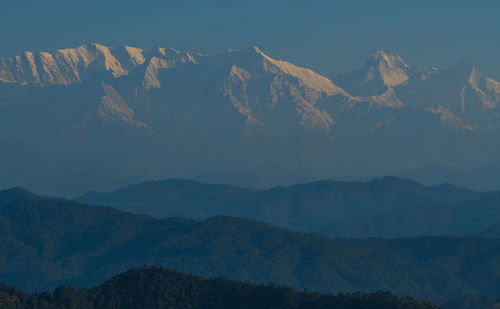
(162, 111)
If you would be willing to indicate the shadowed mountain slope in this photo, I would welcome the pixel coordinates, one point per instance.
(48, 243)
(465, 218)
(306, 207)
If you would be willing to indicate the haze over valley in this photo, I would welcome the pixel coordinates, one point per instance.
(261, 154)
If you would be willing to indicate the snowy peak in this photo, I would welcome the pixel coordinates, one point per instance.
(135, 55)
(459, 95)
(470, 81)
(66, 66)
(465, 72)
(249, 58)
(73, 65)
(307, 77)
(257, 50)
(254, 61)
(254, 51)
(387, 56)
(382, 71)
(384, 80)
(389, 67)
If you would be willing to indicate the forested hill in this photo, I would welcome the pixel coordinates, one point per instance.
(156, 287)
(386, 207)
(49, 243)
(19, 194)
(472, 217)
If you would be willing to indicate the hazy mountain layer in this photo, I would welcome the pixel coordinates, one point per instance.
(486, 177)
(101, 117)
(48, 243)
(380, 207)
(466, 218)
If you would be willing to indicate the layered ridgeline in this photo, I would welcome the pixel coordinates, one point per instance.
(96, 116)
(48, 243)
(388, 207)
(485, 177)
(156, 287)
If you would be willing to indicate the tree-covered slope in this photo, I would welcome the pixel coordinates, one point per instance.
(156, 287)
(470, 217)
(48, 243)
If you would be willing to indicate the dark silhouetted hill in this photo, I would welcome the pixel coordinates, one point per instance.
(156, 287)
(18, 194)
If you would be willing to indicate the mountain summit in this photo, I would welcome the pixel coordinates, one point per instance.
(75, 65)
(383, 70)
(389, 66)
(185, 113)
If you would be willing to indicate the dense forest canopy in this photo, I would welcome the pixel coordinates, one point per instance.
(156, 287)
(51, 242)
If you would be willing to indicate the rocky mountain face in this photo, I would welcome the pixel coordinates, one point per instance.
(461, 97)
(100, 117)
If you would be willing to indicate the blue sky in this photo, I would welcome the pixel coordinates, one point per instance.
(327, 36)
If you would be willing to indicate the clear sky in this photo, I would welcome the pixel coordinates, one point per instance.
(327, 36)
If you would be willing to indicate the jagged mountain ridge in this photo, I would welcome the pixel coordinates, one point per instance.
(73, 65)
(384, 69)
(141, 110)
(461, 96)
(385, 81)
